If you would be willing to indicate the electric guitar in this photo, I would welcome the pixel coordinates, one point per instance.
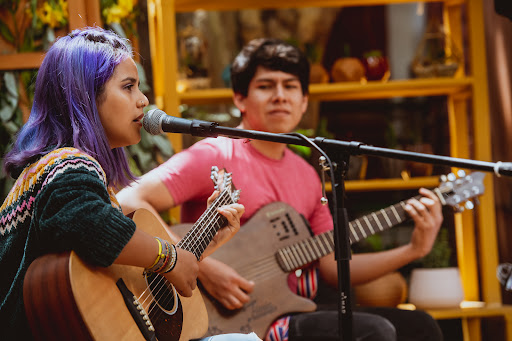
(67, 299)
(277, 240)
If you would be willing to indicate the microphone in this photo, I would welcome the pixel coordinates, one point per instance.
(157, 122)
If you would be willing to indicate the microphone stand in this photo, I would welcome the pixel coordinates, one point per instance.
(341, 152)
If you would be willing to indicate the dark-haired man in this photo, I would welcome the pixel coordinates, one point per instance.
(270, 81)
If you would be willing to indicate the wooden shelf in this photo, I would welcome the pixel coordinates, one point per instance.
(232, 5)
(485, 311)
(468, 309)
(21, 61)
(469, 135)
(352, 90)
(388, 184)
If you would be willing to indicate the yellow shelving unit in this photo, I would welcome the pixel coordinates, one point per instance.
(476, 235)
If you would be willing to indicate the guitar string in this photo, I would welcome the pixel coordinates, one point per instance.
(212, 225)
(166, 298)
(161, 280)
(193, 234)
(261, 268)
(266, 267)
(210, 228)
(304, 250)
(270, 262)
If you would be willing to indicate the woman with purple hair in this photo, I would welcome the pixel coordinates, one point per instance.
(68, 160)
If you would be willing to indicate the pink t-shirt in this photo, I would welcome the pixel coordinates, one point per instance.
(262, 180)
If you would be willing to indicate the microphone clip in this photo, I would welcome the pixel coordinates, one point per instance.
(203, 128)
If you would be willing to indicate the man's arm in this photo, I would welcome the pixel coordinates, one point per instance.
(427, 216)
(148, 192)
(219, 279)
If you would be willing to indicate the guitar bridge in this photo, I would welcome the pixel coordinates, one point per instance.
(138, 313)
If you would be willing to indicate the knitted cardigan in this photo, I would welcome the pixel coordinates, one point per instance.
(59, 203)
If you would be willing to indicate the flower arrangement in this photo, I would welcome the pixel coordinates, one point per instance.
(120, 15)
(31, 26)
(53, 13)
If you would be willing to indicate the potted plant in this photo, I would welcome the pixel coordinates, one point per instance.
(436, 284)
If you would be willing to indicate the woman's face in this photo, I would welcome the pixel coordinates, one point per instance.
(120, 106)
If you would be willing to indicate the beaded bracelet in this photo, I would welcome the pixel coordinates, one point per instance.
(174, 259)
(158, 256)
(166, 258)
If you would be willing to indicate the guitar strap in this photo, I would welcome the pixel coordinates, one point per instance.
(307, 282)
(307, 286)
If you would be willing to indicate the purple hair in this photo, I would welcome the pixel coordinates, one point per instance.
(70, 80)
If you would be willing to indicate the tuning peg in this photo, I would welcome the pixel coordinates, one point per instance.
(459, 182)
(452, 177)
(469, 205)
(214, 175)
(458, 208)
(461, 173)
(443, 178)
(236, 195)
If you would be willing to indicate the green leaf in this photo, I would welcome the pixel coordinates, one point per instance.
(10, 99)
(164, 145)
(118, 29)
(133, 167)
(143, 86)
(6, 33)
(11, 127)
(145, 141)
(6, 112)
(11, 84)
(33, 9)
(48, 38)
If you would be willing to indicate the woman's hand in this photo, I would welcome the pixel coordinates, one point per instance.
(184, 274)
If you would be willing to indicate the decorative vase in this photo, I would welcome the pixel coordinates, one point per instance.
(386, 291)
(436, 288)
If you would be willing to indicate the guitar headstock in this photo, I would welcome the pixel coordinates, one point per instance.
(458, 190)
(223, 182)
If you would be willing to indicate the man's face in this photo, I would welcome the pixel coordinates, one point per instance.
(274, 103)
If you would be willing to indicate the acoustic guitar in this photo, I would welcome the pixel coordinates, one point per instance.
(277, 240)
(67, 299)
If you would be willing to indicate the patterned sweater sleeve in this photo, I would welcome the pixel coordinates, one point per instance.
(73, 211)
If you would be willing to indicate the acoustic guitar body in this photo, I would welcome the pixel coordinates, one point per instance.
(67, 299)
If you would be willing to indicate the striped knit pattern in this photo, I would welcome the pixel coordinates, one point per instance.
(307, 286)
(18, 204)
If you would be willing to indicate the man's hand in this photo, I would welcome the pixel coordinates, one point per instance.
(225, 284)
(427, 215)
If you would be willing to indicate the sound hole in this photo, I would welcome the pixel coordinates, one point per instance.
(163, 292)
